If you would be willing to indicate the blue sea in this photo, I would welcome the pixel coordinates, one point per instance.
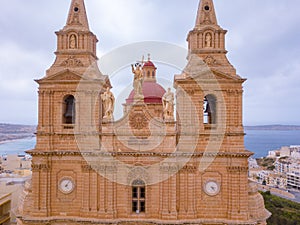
(257, 141)
(262, 141)
(17, 146)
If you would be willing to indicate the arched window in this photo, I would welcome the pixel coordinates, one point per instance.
(138, 196)
(69, 110)
(209, 109)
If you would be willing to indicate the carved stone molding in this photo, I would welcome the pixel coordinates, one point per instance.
(167, 167)
(107, 168)
(138, 121)
(138, 173)
(39, 167)
(210, 61)
(72, 62)
(86, 168)
(189, 169)
(234, 169)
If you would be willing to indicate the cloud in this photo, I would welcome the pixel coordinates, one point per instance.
(262, 41)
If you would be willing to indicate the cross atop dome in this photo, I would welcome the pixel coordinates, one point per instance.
(149, 70)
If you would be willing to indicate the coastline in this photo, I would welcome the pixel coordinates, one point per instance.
(17, 146)
(9, 140)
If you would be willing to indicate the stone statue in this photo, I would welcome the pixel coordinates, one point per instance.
(208, 40)
(138, 81)
(72, 42)
(168, 104)
(108, 100)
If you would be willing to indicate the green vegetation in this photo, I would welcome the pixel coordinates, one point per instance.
(267, 163)
(283, 211)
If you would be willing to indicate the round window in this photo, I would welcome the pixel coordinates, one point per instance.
(206, 8)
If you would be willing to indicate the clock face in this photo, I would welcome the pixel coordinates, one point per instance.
(66, 185)
(211, 188)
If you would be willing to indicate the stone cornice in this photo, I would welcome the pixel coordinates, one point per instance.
(244, 154)
(80, 220)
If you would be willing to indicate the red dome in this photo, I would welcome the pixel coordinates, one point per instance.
(152, 92)
(149, 64)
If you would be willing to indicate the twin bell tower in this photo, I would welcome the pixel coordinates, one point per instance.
(173, 158)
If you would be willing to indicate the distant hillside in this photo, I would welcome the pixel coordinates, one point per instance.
(13, 131)
(273, 127)
(283, 211)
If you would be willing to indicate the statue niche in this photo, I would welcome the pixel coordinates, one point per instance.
(73, 41)
(208, 40)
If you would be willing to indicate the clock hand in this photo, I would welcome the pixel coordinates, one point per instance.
(67, 184)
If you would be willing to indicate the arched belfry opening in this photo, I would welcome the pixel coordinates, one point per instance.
(210, 109)
(69, 110)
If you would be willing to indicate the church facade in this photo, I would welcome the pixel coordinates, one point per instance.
(158, 164)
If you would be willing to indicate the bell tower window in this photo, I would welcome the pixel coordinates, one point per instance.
(209, 109)
(138, 196)
(69, 110)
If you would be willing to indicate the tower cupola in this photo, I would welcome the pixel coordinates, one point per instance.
(149, 70)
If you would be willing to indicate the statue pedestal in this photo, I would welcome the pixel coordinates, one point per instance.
(139, 99)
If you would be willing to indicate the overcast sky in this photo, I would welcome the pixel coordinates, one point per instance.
(263, 43)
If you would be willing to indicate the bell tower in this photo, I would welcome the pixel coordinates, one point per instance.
(207, 39)
(69, 108)
(209, 96)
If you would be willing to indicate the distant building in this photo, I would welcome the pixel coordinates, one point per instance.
(293, 180)
(292, 151)
(5, 206)
(273, 154)
(283, 165)
(252, 163)
(295, 151)
(277, 180)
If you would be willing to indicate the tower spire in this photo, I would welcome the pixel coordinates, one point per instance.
(76, 44)
(206, 13)
(207, 39)
(77, 16)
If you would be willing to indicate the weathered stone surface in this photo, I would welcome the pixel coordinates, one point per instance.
(192, 170)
